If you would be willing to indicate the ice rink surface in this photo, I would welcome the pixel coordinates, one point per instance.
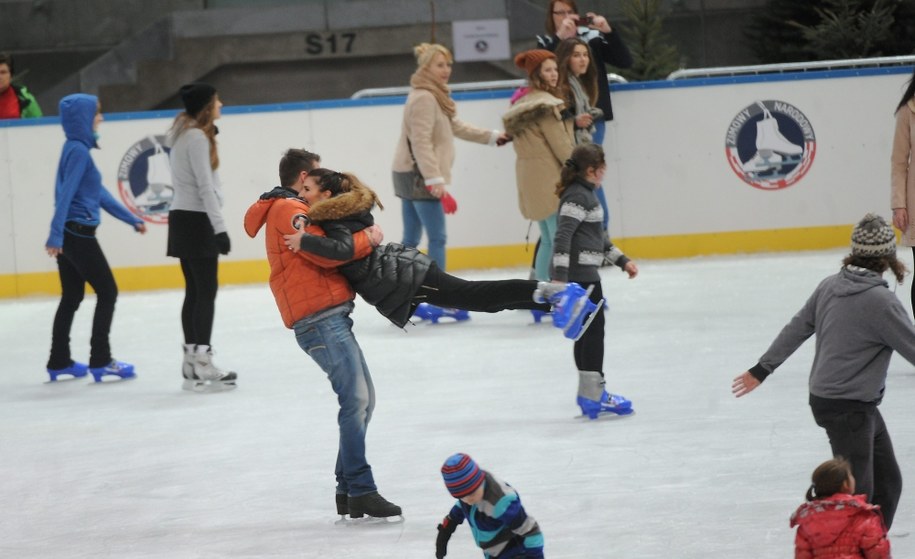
(142, 469)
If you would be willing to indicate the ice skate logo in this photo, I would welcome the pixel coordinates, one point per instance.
(770, 145)
(145, 180)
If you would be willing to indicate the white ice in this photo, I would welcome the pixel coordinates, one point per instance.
(142, 469)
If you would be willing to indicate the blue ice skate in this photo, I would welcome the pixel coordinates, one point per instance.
(609, 403)
(425, 311)
(573, 311)
(75, 370)
(116, 368)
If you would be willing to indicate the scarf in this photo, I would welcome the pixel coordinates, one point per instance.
(582, 106)
(423, 79)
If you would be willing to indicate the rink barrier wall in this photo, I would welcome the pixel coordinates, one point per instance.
(671, 189)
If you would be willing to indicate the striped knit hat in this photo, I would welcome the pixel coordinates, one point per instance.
(462, 475)
(872, 237)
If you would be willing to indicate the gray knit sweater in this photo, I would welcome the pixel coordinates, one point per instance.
(581, 245)
(197, 185)
(858, 323)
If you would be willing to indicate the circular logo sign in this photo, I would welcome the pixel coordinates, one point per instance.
(770, 145)
(145, 180)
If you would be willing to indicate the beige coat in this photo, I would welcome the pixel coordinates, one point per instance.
(903, 174)
(542, 141)
(431, 135)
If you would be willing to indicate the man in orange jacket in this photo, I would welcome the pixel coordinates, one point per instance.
(315, 301)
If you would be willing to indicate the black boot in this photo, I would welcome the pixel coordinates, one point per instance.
(342, 504)
(372, 504)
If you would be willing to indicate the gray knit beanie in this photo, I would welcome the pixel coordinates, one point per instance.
(872, 237)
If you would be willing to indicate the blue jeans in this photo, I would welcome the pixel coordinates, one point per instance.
(545, 248)
(428, 214)
(598, 138)
(328, 339)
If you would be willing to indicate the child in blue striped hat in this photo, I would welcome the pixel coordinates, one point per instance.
(500, 526)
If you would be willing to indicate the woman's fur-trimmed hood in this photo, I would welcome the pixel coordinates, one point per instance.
(357, 201)
(531, 108)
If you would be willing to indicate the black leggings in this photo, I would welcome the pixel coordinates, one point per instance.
(82, 261)
(589, 349)
(446, 290)
(200, 284)
(857, 433)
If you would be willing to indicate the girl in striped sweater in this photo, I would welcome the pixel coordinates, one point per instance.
(580, 248)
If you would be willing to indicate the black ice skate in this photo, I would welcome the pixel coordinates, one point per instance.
(375, 506)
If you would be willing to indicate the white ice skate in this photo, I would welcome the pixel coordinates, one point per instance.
(210, 378)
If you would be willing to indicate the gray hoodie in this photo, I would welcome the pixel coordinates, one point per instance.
(858, 323)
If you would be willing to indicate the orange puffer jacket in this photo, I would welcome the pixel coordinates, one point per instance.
(302, 283)
(840, 527)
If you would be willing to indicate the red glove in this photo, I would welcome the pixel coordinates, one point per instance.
(449, 204)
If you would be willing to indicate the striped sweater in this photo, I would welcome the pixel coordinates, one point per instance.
(500, 526)
(581, 245)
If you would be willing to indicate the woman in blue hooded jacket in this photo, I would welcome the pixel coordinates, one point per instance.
(78, 198)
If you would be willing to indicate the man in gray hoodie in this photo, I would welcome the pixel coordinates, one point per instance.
(858, 323)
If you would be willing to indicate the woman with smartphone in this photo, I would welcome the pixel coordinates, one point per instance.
(564, 22)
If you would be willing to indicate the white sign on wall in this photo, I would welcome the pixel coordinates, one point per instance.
(483, 39)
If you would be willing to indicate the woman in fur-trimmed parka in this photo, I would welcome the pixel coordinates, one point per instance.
(543, 140)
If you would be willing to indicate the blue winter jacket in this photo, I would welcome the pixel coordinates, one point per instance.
(78, 191)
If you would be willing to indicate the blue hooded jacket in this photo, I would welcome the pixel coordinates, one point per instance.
(78, 192)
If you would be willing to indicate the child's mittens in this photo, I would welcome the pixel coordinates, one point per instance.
(449, 204)
(445, 529)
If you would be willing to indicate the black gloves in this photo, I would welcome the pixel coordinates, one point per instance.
(445, 529)
(222, 243)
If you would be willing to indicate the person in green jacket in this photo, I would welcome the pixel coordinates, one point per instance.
(15, 99)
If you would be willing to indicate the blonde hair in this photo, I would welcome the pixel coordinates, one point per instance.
(425, 52)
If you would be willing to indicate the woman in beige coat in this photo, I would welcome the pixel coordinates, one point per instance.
(543, 140)
(903, 173)
(427, 141)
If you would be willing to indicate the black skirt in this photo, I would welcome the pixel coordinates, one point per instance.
(190, 235)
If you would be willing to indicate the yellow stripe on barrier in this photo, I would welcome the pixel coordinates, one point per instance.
(465, 258)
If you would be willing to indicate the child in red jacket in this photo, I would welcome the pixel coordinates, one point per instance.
(834, 523)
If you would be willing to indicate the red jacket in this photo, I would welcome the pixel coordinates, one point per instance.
(302, 283)
(840, 527)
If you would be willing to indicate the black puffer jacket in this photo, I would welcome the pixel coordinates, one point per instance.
(389, 277)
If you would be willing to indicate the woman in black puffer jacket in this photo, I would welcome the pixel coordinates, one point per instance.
(394, 278)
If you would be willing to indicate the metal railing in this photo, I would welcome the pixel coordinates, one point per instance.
(791, 67)
(459, 87)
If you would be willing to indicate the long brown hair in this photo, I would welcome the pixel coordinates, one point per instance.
(878, 264)
(205, 122)
(584, 157)
(588, 80)
(550, 26)
(536, 82)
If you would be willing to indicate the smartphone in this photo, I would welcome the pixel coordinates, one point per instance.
(584, 21)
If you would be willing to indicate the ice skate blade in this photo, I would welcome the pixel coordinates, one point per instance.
(589, 320)
(210, 386)
(62, 379)
(605, 416)
(112, 379)
(370, 520)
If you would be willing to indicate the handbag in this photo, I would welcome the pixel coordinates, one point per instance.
(410, 184)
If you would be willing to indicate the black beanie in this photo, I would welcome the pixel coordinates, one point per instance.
(196, 96)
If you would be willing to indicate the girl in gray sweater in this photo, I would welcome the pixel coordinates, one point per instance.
(858, 324)
(580, 248)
